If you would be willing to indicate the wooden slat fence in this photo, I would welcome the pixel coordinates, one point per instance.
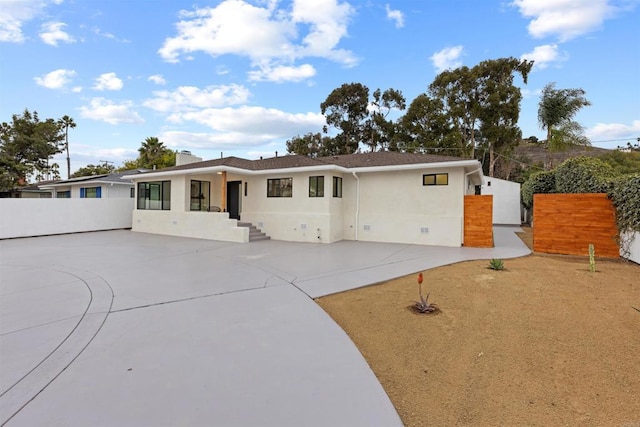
(568, 223)
(478, 221)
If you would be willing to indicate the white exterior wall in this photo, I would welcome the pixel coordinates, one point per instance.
(299, 218)
(395, 207)
(634, 249)
(506, 200)
(200, 225)
(180, 221)
(39, 217)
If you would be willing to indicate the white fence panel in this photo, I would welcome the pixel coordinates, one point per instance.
(41, 217)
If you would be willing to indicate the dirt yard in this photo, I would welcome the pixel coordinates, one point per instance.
(543, 343)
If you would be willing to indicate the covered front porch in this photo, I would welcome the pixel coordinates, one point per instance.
(200, 205)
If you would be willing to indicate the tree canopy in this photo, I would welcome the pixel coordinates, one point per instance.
(462, 110)
(91, 170)
(26, 146)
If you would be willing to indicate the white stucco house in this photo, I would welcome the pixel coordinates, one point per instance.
(506, 200)
(381, 197)
(107, 186)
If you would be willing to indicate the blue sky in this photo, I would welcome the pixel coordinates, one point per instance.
(243, 76)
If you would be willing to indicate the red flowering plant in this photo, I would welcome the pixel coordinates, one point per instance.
(423, 305)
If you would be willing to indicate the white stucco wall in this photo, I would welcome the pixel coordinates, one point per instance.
(396, 207)
(39, 217)
(200, 225)
(299, 218)
(506, 200)
(634, 249)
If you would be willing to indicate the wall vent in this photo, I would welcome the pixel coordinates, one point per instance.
(424, 230)
(367, 227)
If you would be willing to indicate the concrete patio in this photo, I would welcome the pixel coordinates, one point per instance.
(131, 329)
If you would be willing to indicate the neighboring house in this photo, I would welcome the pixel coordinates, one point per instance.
(380, 197)
(31, 191)
(107, 186)
(506, 200)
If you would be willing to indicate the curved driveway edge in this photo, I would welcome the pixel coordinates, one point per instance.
(212, 333)
(83, 329)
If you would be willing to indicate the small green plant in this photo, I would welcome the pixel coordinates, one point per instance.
(592, 258)
(496, 264)
(423, 305)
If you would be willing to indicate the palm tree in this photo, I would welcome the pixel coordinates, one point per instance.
(151, 152)
(67, 122)
(556, 111)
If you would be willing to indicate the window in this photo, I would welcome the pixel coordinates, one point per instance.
(90, 193)
(337, 186)
(316, 186)
(280, 187)
(132, 194)
(154, 195)
(435, 179)
(199, 195)
(63, 194)
(245, 189)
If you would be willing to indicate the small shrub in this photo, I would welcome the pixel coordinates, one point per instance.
(540, 182)
(496, 264)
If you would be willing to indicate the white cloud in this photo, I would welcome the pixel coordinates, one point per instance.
(53, 32)
(105, 34)
(14, 14)
(283, 73)
(609, 131)
(528, 93)
(544, 55)
(188, 98)
(108, 81)
(255, 120)
(395, 15)
(447, 58)
(242, 127)
(269, 36)
(57, 79)
(565, 19)
(157, 79)
(104, 110)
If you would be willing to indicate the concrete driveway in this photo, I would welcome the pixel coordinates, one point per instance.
(130, 329)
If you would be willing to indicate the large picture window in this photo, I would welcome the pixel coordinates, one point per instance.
(90, 193)
(337, 186)
(435, 179)
(63, 194)
(316, 186)
(200, 195)
(155, 195)
(280, 187)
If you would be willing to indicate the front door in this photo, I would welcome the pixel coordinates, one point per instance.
(233, 199)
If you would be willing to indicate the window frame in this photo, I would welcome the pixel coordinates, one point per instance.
(144, 192)
(337, 187)
(435, 179)
(316, 186)
(279, 190)
(93, 193)
(63, 194)
(201, 196)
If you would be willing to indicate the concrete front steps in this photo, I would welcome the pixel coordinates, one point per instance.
(254, 233)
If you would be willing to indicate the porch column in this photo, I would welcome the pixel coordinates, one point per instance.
(223, 192)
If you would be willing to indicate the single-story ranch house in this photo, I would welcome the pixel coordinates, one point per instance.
(107, 186)
(380, 196)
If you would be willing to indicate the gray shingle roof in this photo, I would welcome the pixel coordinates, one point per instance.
(381, 158)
